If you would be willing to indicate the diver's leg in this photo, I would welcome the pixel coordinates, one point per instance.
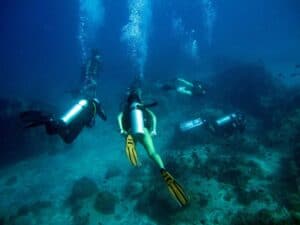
(174, 187)
(146, 141)
(69, 134)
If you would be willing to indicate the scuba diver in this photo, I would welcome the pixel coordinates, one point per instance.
(184, 87)
(90, 74)
(137, 123)
(68, 127)
(225, 126)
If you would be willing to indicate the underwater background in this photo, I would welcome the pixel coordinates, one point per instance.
(246, 53)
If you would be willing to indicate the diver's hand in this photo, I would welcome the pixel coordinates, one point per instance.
(123, 132)
(153, 133)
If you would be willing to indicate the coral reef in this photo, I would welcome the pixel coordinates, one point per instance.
(28, 213)
(243, 179)
(263, 217)
(112, 172)
(105, 202)
(157, 206)
(82, 189)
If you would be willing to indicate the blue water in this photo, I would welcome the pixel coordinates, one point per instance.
(237, 48)
(40, 46)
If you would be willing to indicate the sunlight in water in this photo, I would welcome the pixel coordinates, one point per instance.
(190, 45)
(209, 11)
(91, 13)
(136, 31)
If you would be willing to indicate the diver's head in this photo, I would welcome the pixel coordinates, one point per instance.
(134, 95)
(199, 87)
(240, 121)
(95, 101)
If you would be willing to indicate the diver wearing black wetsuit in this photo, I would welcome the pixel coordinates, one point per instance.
(68, 127)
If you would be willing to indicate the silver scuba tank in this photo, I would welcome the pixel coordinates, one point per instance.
(185, 126)
(136, 119)
(225, 120)
(72, 114)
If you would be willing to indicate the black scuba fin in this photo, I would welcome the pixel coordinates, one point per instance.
(34, 118)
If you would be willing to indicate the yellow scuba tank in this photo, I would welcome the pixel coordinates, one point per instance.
(136, 119)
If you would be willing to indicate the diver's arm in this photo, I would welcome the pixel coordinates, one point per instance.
(185, 82)
(154, 121)
(101, 113)
(120, 118)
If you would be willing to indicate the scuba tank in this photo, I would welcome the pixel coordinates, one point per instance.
(231, 123)
(185, 126)
(136, 119)
(226, 120)
(75, 111)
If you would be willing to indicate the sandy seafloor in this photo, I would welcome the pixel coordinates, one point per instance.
(212, 172)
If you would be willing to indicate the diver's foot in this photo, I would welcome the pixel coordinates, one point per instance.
(33, 118)
(175, 188)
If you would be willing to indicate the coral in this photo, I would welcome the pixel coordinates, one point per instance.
(227, 169)
(202, 200)
(112, 172)
(263, 217)
(287, 131)
(26, 213)
(133, 189)
(82, 189)
(105, 202)
(33, 208)
(158, 206)
(232, 176)
(81, 219)
(246, 197)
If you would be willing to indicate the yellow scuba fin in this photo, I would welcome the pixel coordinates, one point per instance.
(174, 188)
(131, 151)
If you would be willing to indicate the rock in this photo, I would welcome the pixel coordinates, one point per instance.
(112, 172)
(34, 208)
(133, 189)
(82, 189)
(105, 202)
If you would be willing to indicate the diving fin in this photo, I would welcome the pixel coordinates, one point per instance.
(33, 118)
(175, 188)
(131, 151)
